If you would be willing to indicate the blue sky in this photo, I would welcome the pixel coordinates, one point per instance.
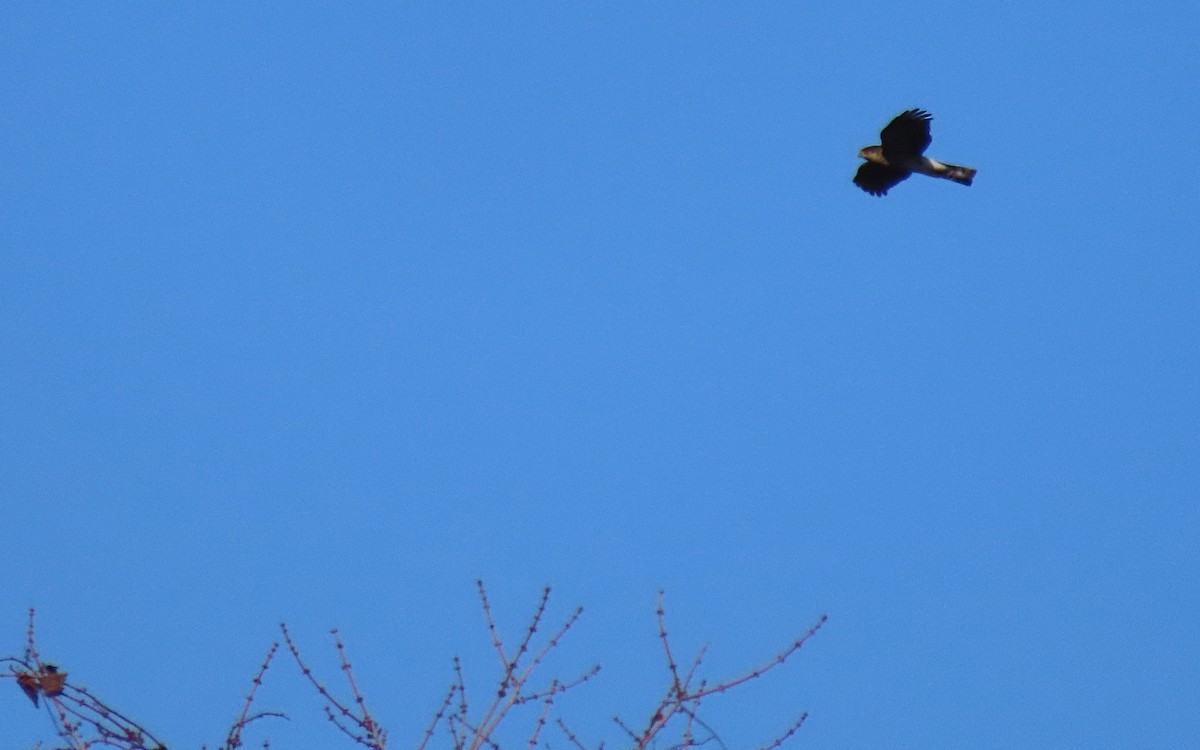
(317, 313)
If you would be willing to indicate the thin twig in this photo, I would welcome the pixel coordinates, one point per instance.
(795, 727)
(491, 625)
(541, 722)
(233, 739)
(437, 717)
(760, 671)
(369, 734)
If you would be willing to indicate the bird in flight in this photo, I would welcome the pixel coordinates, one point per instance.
(900, 154)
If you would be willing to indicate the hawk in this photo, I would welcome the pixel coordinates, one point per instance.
(904, 141)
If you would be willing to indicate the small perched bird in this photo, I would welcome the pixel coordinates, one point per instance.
(904, 141)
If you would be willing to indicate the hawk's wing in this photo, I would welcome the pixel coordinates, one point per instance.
(907, 135)
(877, 179)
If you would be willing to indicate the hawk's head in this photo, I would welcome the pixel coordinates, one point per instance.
(873, 153)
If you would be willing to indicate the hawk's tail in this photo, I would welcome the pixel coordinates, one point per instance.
(961, 175)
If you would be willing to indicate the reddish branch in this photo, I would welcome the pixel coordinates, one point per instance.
(233, 739)
(368, 733)
(682, 698)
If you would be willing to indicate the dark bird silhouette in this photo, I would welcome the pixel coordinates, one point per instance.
(901, 152)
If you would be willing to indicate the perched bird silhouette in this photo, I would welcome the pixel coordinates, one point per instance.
(900, 154)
